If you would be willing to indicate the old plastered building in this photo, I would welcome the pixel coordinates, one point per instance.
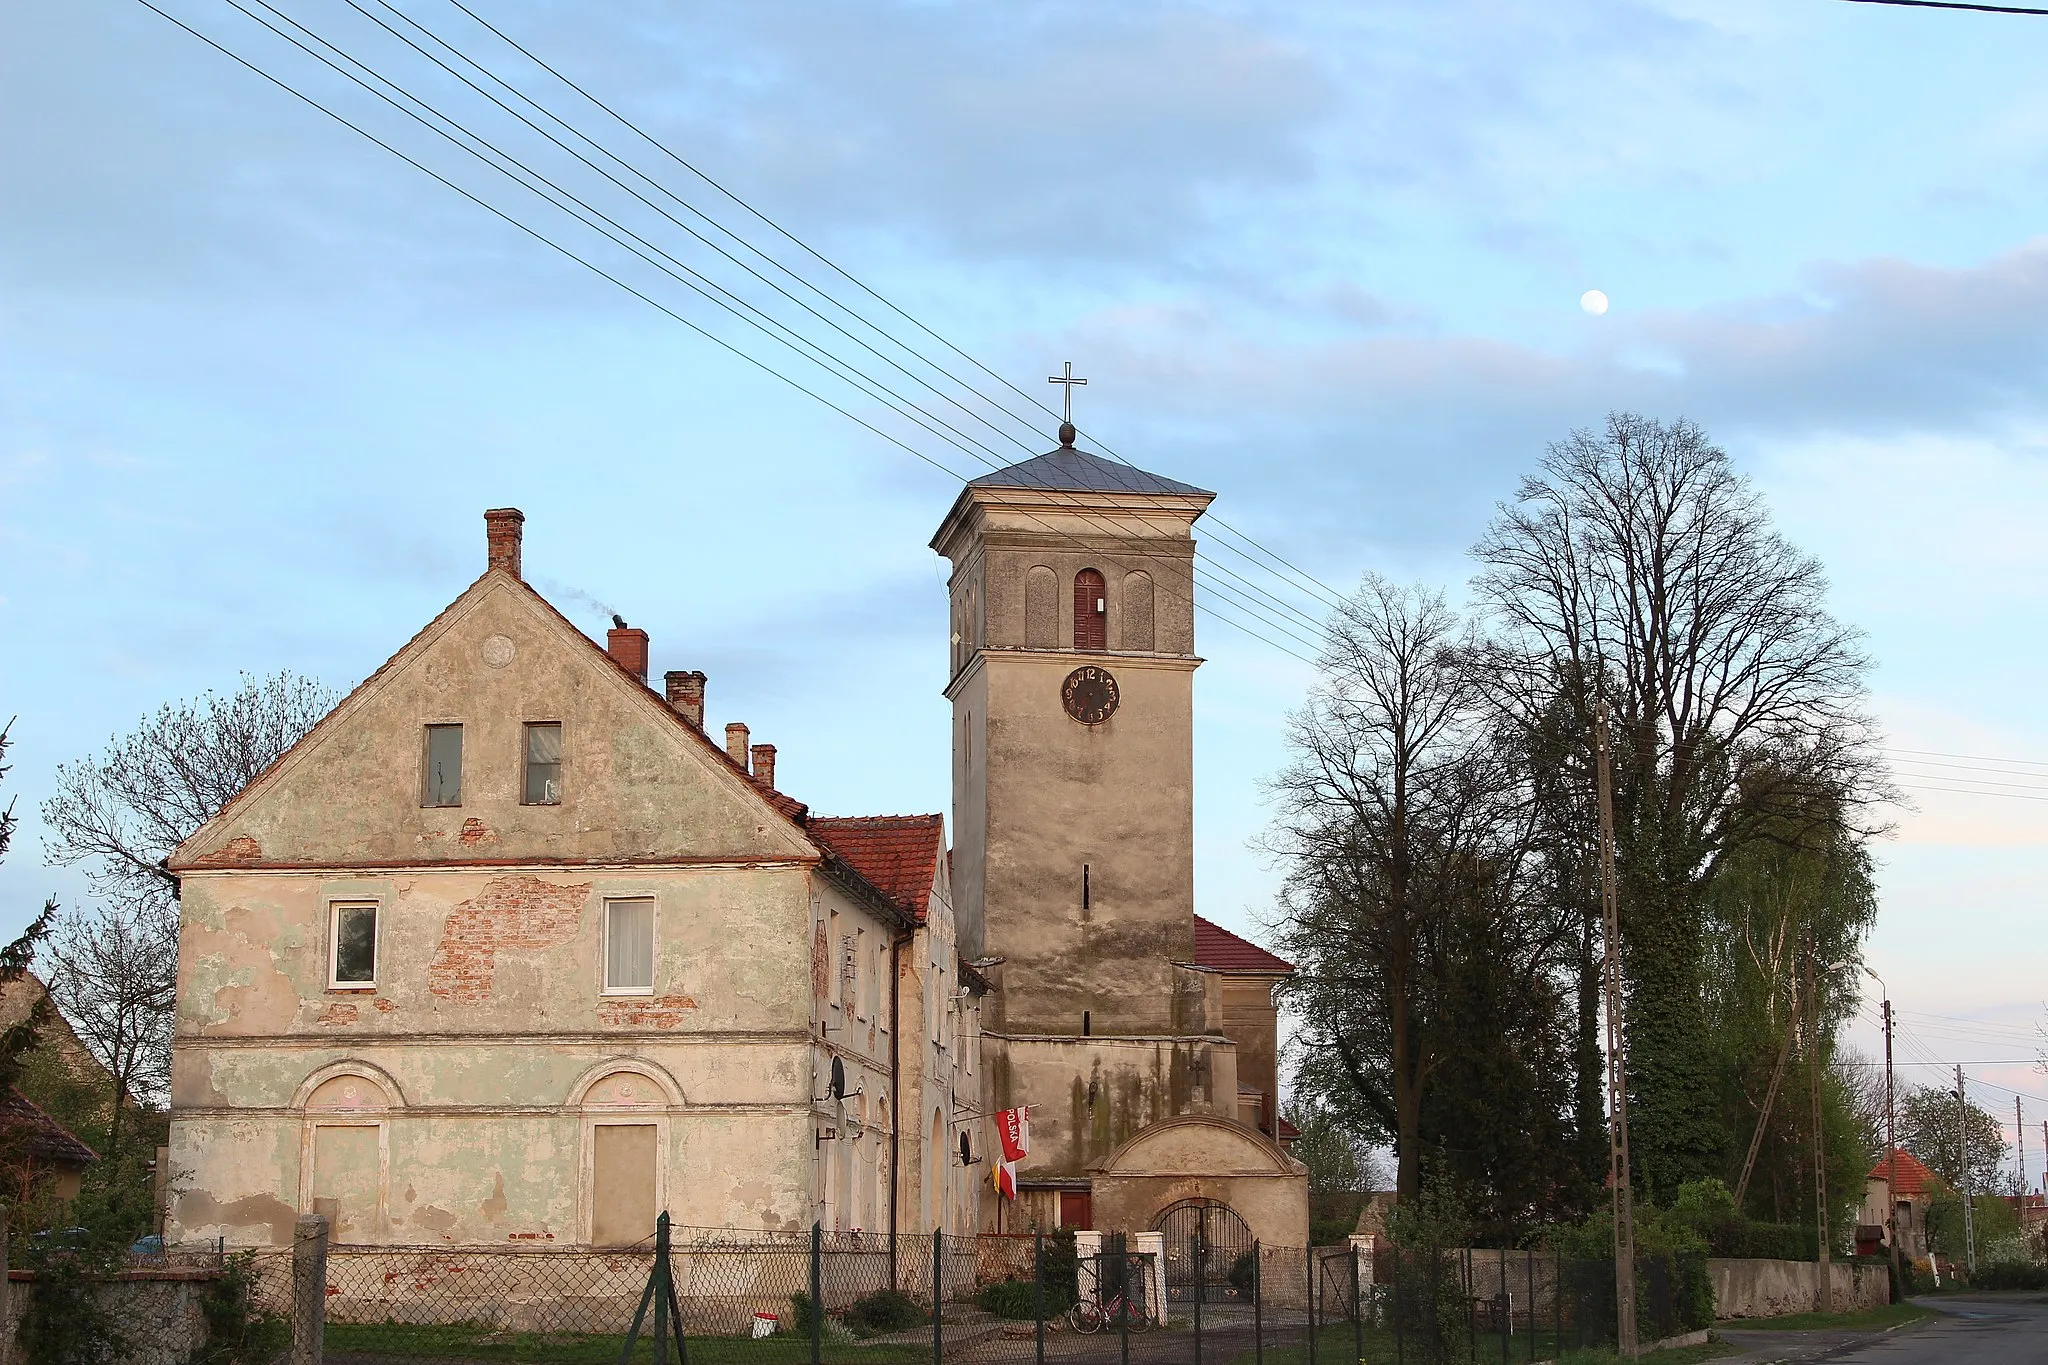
(509, 950)
(1141, 1037)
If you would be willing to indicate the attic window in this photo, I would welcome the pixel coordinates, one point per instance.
(543, 785)
(442, 785)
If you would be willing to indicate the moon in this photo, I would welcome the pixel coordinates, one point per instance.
(1594, 302)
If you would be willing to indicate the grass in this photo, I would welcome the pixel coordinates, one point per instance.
(1875, 1319)
(564, 1348)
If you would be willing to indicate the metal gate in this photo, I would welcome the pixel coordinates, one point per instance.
(1208, 1252)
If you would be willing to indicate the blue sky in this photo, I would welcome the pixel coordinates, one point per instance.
(258, 378)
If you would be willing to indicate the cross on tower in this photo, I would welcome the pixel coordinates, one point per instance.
(1067, 392)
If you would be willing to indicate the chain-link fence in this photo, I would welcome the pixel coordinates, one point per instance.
(792, 1298)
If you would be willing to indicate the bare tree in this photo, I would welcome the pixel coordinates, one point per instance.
(1392, 829)
(1639, 568)
(121, 813)
(111, 982)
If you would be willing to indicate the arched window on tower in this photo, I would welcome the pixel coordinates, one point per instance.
(1091, 611)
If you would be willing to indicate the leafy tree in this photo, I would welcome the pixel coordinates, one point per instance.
(1337, 1162)
(1929, 1123)
(1407, 904)
(18, 1040)
(1637, 568)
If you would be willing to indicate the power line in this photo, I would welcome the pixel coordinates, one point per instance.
(752, 315)
(594, 268)
(1952, 4)
(1330, 595)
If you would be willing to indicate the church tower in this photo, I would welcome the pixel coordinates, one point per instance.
(1072, 682)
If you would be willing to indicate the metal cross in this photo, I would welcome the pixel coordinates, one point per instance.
(1066, 393)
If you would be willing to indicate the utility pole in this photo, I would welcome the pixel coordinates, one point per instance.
(2019, 1148)
(1820, 1147)
(1891, 1151)
(1963, 1160)
(1617, 1070)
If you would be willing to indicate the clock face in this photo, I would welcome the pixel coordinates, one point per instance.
(1090, 694)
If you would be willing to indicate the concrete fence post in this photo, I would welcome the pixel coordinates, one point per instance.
(309, 1289)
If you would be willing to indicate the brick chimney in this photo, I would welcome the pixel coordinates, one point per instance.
(501, 538)
(764, 765)
(736, 744)
(628, 645)
(686, 695)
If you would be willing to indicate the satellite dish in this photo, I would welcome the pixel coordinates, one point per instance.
(966, 1152)
(836, 1087)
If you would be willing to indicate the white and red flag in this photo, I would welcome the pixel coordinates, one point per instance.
(1014, 1126)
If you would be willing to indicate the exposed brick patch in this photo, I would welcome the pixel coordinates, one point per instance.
(522, 913)
(339, 1012)
(646, 1011)
(238, 850)
(475, 831)
(384, 1006)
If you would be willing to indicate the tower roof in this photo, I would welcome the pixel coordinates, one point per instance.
(1070, 470)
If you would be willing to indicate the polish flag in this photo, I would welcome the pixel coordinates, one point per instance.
(1005, 1176)
(1014, 1126)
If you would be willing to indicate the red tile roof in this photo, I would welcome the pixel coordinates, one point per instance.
(25, 1127)
(1217, 947)
(896, 854)
(1908, 1174)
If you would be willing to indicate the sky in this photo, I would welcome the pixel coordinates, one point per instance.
(260, 377)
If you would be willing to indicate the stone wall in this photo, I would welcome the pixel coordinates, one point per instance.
(157, 1311)
(1764, 1289)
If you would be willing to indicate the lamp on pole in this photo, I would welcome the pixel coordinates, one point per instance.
(1891, 1203)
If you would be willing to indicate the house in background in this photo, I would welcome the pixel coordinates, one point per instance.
(37, 1151)
(1912, 1190)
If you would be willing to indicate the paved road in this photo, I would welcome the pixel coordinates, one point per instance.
(1980, 1329)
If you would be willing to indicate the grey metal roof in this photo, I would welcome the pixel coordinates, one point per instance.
(1077, 471)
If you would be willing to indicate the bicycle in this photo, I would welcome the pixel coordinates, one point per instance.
(1092, 1315)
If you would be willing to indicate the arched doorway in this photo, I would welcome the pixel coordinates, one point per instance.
(1204, 1242)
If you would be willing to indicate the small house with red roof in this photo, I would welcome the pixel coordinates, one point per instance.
(1910, 1187)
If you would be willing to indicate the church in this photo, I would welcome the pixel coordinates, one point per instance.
(510, 949)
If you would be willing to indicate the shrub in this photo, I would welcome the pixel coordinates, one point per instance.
(885, 1310)
(1244, 1274)
(2010, 1275)
(1017, 1299)
(236, 1332)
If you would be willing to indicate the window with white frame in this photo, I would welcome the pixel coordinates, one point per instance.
(352, 944)
(541, 783)
(860, 985)
(629, 947)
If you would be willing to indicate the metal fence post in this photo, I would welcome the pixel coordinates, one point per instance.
(1258, 1305)
(817, 1288)
(1123, 1300)
(1529, 1268)
(1400, 1329)
(1357, 1306)
(309, 1289)
(1038, 1291)
(1471, 1318)
(6, 1291)
(938, 1297)
(1201, 1248)
(1315, 1294)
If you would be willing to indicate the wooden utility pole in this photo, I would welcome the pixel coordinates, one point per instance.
(1820, 1146)
(2019, 1149)
(1617, 1069)
(1763, 1118)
